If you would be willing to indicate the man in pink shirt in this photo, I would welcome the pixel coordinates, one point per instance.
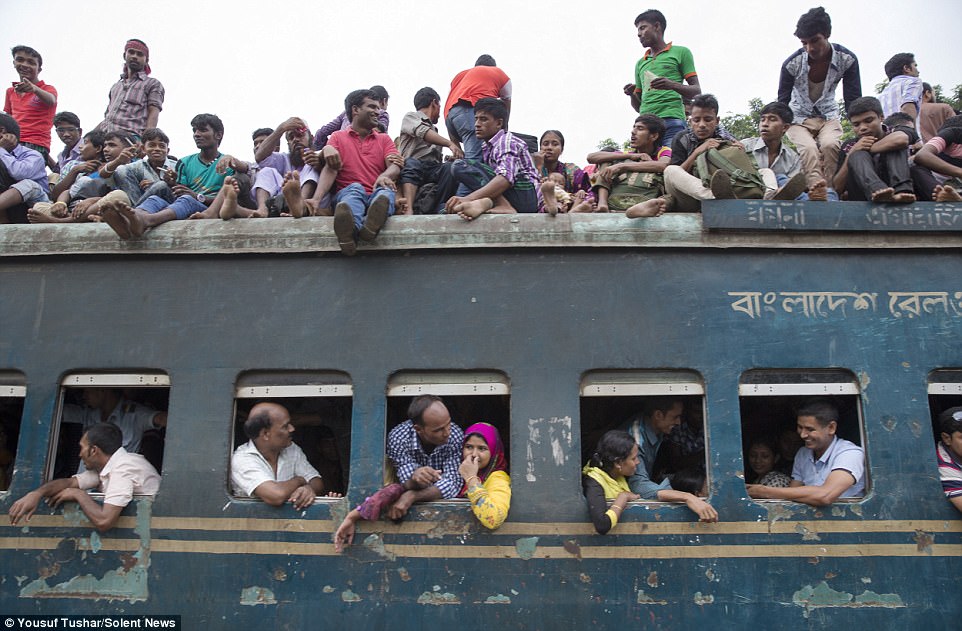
(365, 179)
(119, 475)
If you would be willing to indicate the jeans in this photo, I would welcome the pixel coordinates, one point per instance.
(461, 118)
(474, 175)
(358, 201)
(672, 126)
(868, 172)
(183, 207)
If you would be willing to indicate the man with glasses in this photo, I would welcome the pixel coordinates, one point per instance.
(67, 126)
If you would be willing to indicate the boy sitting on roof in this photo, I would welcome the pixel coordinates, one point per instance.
(778, 162)
(23, 174)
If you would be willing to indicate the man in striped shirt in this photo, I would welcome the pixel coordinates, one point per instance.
(950, 455)
(506, 180)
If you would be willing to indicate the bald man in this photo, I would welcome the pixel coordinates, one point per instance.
(270, 466)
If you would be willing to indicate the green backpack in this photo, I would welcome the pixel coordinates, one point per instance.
(741, 169)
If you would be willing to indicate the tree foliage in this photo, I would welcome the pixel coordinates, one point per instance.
(743, 126)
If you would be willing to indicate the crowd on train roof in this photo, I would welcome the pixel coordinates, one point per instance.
(906, 148)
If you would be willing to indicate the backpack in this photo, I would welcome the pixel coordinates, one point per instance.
(741, 170)
(426, 200)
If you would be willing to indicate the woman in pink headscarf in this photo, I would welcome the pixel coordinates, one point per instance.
(487, 484)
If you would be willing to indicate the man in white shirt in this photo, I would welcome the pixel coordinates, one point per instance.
(119, 476)
(270, 466)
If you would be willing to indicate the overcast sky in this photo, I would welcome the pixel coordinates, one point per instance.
(255, 64)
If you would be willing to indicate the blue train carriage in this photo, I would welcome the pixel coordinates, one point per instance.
(554, 329)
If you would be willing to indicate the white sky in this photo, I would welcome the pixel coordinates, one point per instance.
(255, 64)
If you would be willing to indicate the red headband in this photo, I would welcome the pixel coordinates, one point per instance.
(142, 47)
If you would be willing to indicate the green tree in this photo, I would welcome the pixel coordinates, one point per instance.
(611, 142)
(744, 125)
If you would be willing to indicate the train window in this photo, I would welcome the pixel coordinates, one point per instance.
(615, 399)
(320, 405)
(769, 401)
(13, 389)
(136, 402)
(470, 396)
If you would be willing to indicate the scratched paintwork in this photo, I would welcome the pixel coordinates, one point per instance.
(541, 299)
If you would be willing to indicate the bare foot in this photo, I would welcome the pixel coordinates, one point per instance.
(59, 209)
(884, 195)
(35, 215)
(135, 219)
(475, 208)
(228, 209)
(818, 192)
(903, 198)
(550, 201)
(602, 208)
(946, 193)
(110, 209)
(583, 207)
(651, 208)
(292, 194)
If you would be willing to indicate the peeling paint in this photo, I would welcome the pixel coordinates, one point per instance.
(822, 596)
(889, 423)
(923, 541)
(403, 573)
(807, 535)
(459, 523)
(864, 380)
(866, 580)
(499, 599)
(779, 511)
(437, 597)
(709, 574)
(280, 574)
(127, 582)
(707, 599)
(375, 544)
(838, 511)
(350, 597)
(251, 596)
(327, 589)
(916, 428)
(645, 599)
(526, 547)
(830, 575)
(571, 547)
(584, 578)
(653, 579)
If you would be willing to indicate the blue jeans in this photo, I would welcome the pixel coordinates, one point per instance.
(672, 126)
(461, 118)
(358, 200)
(782, 179)
(474, 175)
(184, 206)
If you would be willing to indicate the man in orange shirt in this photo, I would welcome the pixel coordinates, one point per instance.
(469, 86)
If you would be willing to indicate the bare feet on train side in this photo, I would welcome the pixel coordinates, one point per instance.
(292, 194)
(884, 195)
(46, 212)
(110, 207)
(946, 193)
(228, 210)
(548, 195)
(818, 192)
(904, 198)
(579, 204)
(134, 219)
(474, 208)
(651, 208)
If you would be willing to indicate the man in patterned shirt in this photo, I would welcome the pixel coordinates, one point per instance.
(506, 180)
(426, 453)
(137, 98)
(950, 455)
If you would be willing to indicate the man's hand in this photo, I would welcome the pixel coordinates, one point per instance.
(128, 155)
(711, 143)
(24, 507)
(83, 207)
(703, 509)
(456, 150)
(87, 167)
(344, 535)
(661, 83)
(384, 181)
(400, 508)
(425, 476)
(863, 144)
(332, 157)
(66, 495)
(179, 190)
(630, 88)
(226, 162)
(24, 86)
(396, 159)
(292, 123)
(302, 497)
(312, 159)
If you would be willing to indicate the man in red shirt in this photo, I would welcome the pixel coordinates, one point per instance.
(365, 179)
(31, 102)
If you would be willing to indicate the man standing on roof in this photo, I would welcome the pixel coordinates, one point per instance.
(467, 88)
(661, 74)
(137, 98)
